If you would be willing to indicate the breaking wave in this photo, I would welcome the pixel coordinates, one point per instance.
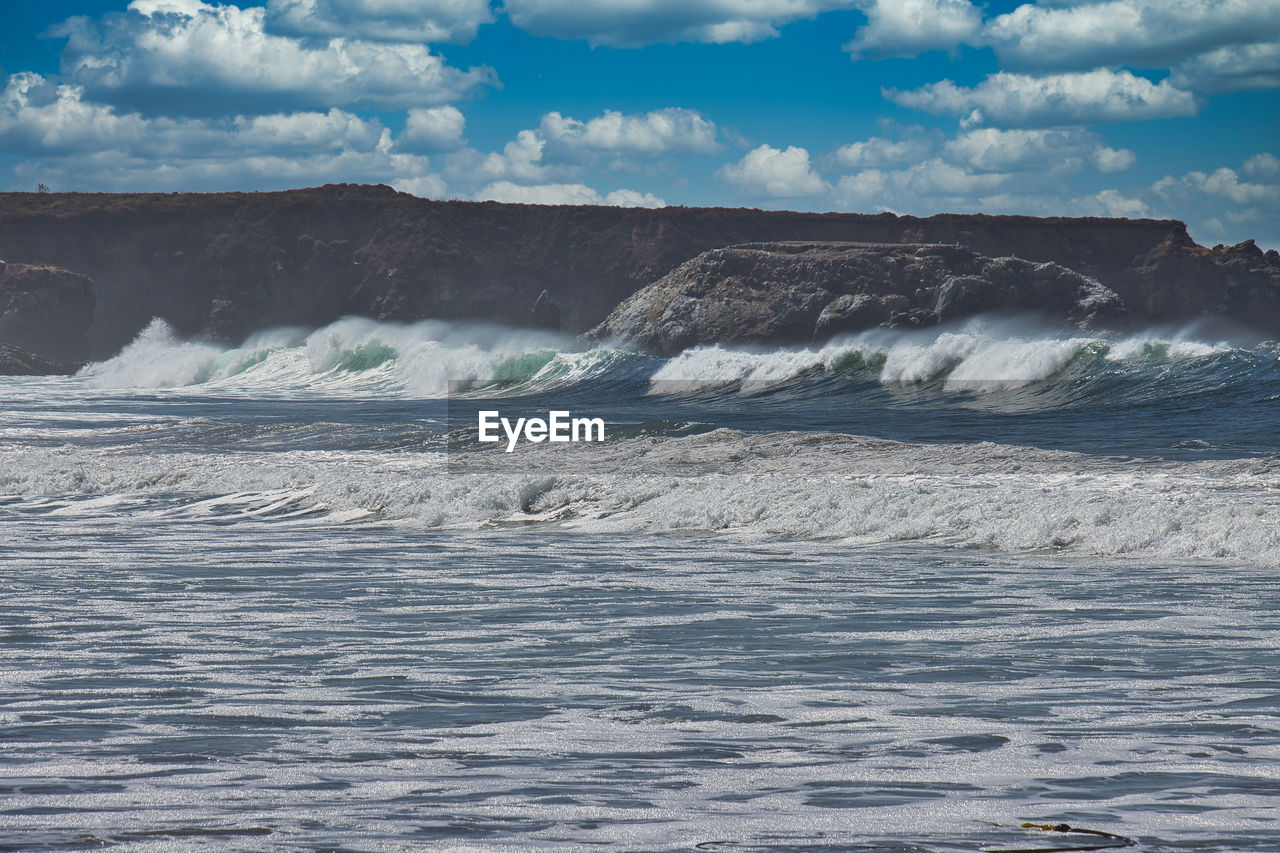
(360, 357)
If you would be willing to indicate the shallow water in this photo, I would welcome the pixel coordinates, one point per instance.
(312, 688)
(285, 603)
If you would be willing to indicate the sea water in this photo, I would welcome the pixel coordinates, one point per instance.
(898, 592)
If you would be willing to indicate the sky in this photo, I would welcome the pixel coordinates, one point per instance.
(1160, 108)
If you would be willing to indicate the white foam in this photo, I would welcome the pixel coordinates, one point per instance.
(353, 355)
(360, 357)
(778, 486)
(714, 366)
(996, 365)
(155, 359)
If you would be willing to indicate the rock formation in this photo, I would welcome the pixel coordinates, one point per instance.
(45, 311)
(17, 362)
(227, 264)
(791, 292)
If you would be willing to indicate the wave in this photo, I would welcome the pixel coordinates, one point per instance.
(981, 356)
(772, 486)
(1012, 366)
(351, 356)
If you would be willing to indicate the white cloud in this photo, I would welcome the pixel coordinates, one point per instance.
(506, 191)
(37, 117)
(658, 132)
(379, 20)
(1263, 165)
(632, 198)
(911, 27)
(561, 147)
(1150, 33)
(426, 186)
(993, 150)
(1221, 183)
(1250, 195)
(933, 185)
(432, 129)
(121, 171)
(78, 145)
(631, 23)
(1229, 69)
(1019, 100)
(879, 151)
(1108, 160)
(768, 171)
(1111, 203)
(520, 158)
(193, 57)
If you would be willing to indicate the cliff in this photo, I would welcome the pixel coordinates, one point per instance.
(46, 312)
(226, 264)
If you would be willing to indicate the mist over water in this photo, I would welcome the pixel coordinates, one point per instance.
(905, 589)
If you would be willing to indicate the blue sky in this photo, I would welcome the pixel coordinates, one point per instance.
(1165, 108)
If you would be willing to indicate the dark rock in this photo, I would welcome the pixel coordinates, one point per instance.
(768, 293)
(17, 362)
(545, 313)
(45, 310)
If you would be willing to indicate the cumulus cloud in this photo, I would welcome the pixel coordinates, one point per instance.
(932, 185)
(1111, 203)
(639, 22)
(76, 144)
(379, 20)
(1150, 33)
(768, 171)
(936, 185)
(1109, 160)
(433, 129)
(561, 147)
(1248, 195)
(521, 158)
(426, 186)
(1020, 100)
(38, 117)
(507, 191)
(1230, 69)
(879, 151)
(994, 150)
(190, 57)
(1262, 166)
(911, 27)
(658, 132)
(1221, 183)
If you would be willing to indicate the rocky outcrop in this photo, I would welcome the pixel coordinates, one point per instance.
(45, 311)
(18, 362)
(227, 264)
(792, 292)
(1179, 279)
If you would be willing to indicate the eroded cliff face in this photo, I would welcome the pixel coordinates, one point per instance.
(45, 314)
(761, 293)
(227, 264)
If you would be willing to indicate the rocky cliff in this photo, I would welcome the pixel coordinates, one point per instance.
(46, 312)
(226, 264)
(798, 292)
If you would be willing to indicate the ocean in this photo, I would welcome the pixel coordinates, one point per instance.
(905, 591)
